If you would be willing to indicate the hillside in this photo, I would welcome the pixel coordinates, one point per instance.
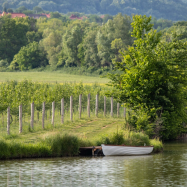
(167, 9)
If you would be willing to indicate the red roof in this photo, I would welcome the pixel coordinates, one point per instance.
(48, 15)
(13, 15)
(77, 17)
(20, 15)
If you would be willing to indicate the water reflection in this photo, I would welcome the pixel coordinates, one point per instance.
(165, 169)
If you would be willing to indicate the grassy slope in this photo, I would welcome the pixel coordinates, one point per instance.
(91, 129)
(50, 77)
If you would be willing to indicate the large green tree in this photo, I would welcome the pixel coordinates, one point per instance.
(154, 78)
(29, 57)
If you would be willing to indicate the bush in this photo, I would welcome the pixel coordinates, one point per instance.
(63, 145)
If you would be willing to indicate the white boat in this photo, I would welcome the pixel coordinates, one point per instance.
(120, 150)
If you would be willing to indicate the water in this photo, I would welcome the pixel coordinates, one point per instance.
(165, 169)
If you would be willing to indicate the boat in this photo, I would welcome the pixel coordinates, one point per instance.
(121, 150)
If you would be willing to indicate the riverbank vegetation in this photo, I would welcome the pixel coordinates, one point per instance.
(65, 140)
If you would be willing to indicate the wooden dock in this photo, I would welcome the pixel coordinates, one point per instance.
(91, 151)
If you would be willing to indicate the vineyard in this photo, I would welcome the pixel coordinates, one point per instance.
(13, 94)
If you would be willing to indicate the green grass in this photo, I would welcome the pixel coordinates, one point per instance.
(50, 77)
(65, 139)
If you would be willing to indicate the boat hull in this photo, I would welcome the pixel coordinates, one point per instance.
(115, 150)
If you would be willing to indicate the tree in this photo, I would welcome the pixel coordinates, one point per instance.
(9, 10)
(154, 78)
(37, 9)
(21, 9)
(12, 37)
(29, 57)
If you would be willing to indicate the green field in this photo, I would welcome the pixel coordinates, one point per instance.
(50, 77)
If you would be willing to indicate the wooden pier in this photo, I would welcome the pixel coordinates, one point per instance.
(91, 151)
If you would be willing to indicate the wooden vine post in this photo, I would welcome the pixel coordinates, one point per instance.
(62, 110)
(80, 105)
(96, 105)
(118, 105)
(53, 114)
(43, 115)
(88, 105)
(124, 113)
(32, 115)
(8, 120)
(20, 118)
(104, 105)
(111, 113)
(71, 108)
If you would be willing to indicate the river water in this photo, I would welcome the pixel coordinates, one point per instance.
(164, 169)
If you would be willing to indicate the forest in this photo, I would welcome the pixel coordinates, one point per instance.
(173, 10)
(59, 42)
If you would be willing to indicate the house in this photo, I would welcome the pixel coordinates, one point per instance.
(77, 17)
(21, 15)
(36, 16)
(13, 15)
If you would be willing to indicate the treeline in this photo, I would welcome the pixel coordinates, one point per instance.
(29, 43)
(173, 10)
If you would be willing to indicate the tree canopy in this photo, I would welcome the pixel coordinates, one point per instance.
(173, 10)
(154, 79)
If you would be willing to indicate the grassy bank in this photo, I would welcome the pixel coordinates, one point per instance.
(65, 140)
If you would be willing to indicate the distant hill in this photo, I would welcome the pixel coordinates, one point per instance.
(168, 9)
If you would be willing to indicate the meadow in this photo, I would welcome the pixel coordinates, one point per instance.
(51, 77)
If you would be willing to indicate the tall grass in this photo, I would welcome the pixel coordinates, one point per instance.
(11, 149)
(127, 137)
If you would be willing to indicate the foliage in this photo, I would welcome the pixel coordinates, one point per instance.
(154, 78)
(127, 137)
(174, 10)
(29, 57)
(63, 145)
